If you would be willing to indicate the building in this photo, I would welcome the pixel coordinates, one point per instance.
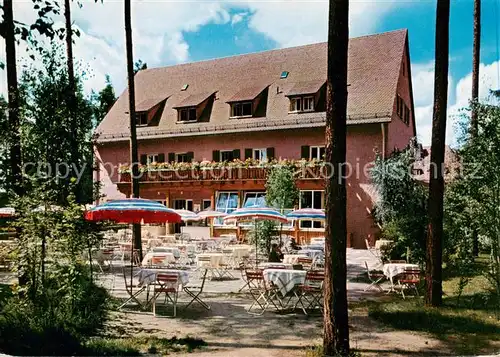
(260, 107)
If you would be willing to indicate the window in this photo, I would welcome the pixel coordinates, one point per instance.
(141, 119)
(184, 157)
(206, 204)
(311, 199)
(255, 199)
(317, 152)
(152, 158)
(302, 104)
(402, 110)
(183, 204)
(260, 154)
(242, 109)
(226, 155)
(227, 202)
(187, 114)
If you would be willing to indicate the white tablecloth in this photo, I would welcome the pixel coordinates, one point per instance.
(318, 240)
(269, 265)
(240, 251)
(167, 257)
(148, 276)
(311, 253)
(382, 242)
(216, 259)
(175, 251)
(393, 269)
(285, 279)
(292, 258)
(170, 238)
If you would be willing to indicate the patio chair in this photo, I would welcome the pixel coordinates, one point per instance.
(195, 291)
(129, 287)
(311, 292)
(305, 262)
(158, 262)
(409, 280)
(263, 293)
(168, 284)
(375, 279)
(397, 261)
(375, 252)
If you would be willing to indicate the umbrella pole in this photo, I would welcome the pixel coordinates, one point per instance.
(132, 267)
(256, 246)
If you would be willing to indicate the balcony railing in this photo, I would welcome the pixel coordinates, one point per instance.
(220, 174)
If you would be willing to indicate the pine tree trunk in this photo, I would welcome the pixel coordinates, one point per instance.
(434, 256)
(475, 92)
(336, 329)
(72, 96)
(134, 159)
(15, 177)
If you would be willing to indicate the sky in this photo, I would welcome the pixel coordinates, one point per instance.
(177, 31)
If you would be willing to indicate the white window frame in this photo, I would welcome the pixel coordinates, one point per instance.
(179, 154)
(254, 193)
(152, 158)
(240, 105)
(259, 154)
(310, 104)
(141, 115)
(224, 151)
(298, 104)
(312, 228)
(217, 221)
(187, 109)
(295, 104)
(318, 155)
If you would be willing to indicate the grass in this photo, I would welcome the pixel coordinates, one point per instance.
(136, 346)
(467, 324)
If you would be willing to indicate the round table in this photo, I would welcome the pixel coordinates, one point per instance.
(167, 258)
(292, 258)
(216, 260)
(175, 251)
(285, 279)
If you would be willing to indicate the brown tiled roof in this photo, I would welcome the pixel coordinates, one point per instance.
(373, 70)
(248, 93)
(147, 104)
(309, 87)
(193, 100)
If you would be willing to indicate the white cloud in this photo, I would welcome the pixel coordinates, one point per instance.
(237, 18)
(458, 98)
(293, 22)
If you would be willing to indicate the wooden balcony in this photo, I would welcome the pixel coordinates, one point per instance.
(220, 174)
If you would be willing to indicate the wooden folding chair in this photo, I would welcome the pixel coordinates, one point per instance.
(305, 262)
(129, 288)
(195, 291)
(375, 279)
(409, 280)
(168, 284)
(262, 293)
(311, 291)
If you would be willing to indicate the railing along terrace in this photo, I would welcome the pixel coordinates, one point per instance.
(223, 171)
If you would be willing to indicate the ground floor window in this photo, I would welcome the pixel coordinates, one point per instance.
(255, 199)
(206, 204)
(183, 204)
(226, 202)
(312, 199)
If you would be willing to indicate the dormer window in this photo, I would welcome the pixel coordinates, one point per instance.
(302, 104)
(141, 119)
(187, 114)
(241, 109)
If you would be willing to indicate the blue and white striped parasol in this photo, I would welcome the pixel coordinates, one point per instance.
(256, 213)
(187, 215)
(307, 214)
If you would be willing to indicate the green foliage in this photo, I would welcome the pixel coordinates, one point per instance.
(57, 305)
(402, 208)
(263, 232)
(103, 100)
(46, 112)
(139, 66)
(281, 190)
(476, 196)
